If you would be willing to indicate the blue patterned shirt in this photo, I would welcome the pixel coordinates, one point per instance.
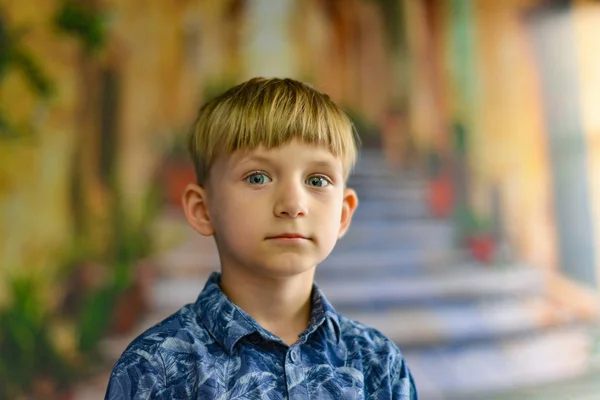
(212, 349)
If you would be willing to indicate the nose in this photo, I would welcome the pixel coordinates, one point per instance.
(291, 201)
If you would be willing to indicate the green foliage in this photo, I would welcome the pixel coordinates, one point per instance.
(460, 138)
(14, 56)
(133, 236)
(33, 72)
(471, 223)
(95, 317)
(395, 25)
(82, 22)
(25, 344)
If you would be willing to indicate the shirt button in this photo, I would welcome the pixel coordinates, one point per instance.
(293, 356)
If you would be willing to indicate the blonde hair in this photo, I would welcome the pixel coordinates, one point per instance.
(269, 112)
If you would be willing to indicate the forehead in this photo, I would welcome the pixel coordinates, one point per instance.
(293, 151)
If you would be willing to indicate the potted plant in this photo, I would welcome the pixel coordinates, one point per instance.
(477, 235)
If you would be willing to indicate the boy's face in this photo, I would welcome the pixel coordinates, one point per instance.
(276, 212)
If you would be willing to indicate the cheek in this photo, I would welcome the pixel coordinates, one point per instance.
(330, 216)
(236, 215)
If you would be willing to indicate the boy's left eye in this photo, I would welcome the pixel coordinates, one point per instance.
(317, 181)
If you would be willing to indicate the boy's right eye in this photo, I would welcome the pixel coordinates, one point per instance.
(258, 178)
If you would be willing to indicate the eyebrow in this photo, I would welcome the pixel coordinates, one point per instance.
(255, 158)
(322, 163)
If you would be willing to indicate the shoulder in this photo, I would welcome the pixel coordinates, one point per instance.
(160, 359)
(382, 362)
(179, 333)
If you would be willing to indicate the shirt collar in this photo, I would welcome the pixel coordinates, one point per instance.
(228, 323)
(322, 311)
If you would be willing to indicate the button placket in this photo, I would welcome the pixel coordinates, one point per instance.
(295, 375)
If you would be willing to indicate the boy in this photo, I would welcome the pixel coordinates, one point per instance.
(272, 157)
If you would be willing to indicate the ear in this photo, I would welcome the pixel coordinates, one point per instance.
(195, 208)
(349, 205)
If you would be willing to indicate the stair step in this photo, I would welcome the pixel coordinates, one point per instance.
(399, 188)
(478, 371)
(387, 211)
(368, 183)
(356, 263)
(391, 195)
(584, 387)
(194, 257)
(463, 323)
(393, 232)
(400, 244)
(453, 283)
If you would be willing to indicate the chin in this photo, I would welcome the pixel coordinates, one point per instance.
(287, 268)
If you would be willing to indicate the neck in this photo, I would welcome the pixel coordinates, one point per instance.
(280, 305)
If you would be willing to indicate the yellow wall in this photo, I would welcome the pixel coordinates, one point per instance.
(426, 109)
(161, 82)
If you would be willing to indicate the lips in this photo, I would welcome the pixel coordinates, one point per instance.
(288, 236)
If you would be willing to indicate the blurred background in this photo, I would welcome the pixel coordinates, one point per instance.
(475, 244)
